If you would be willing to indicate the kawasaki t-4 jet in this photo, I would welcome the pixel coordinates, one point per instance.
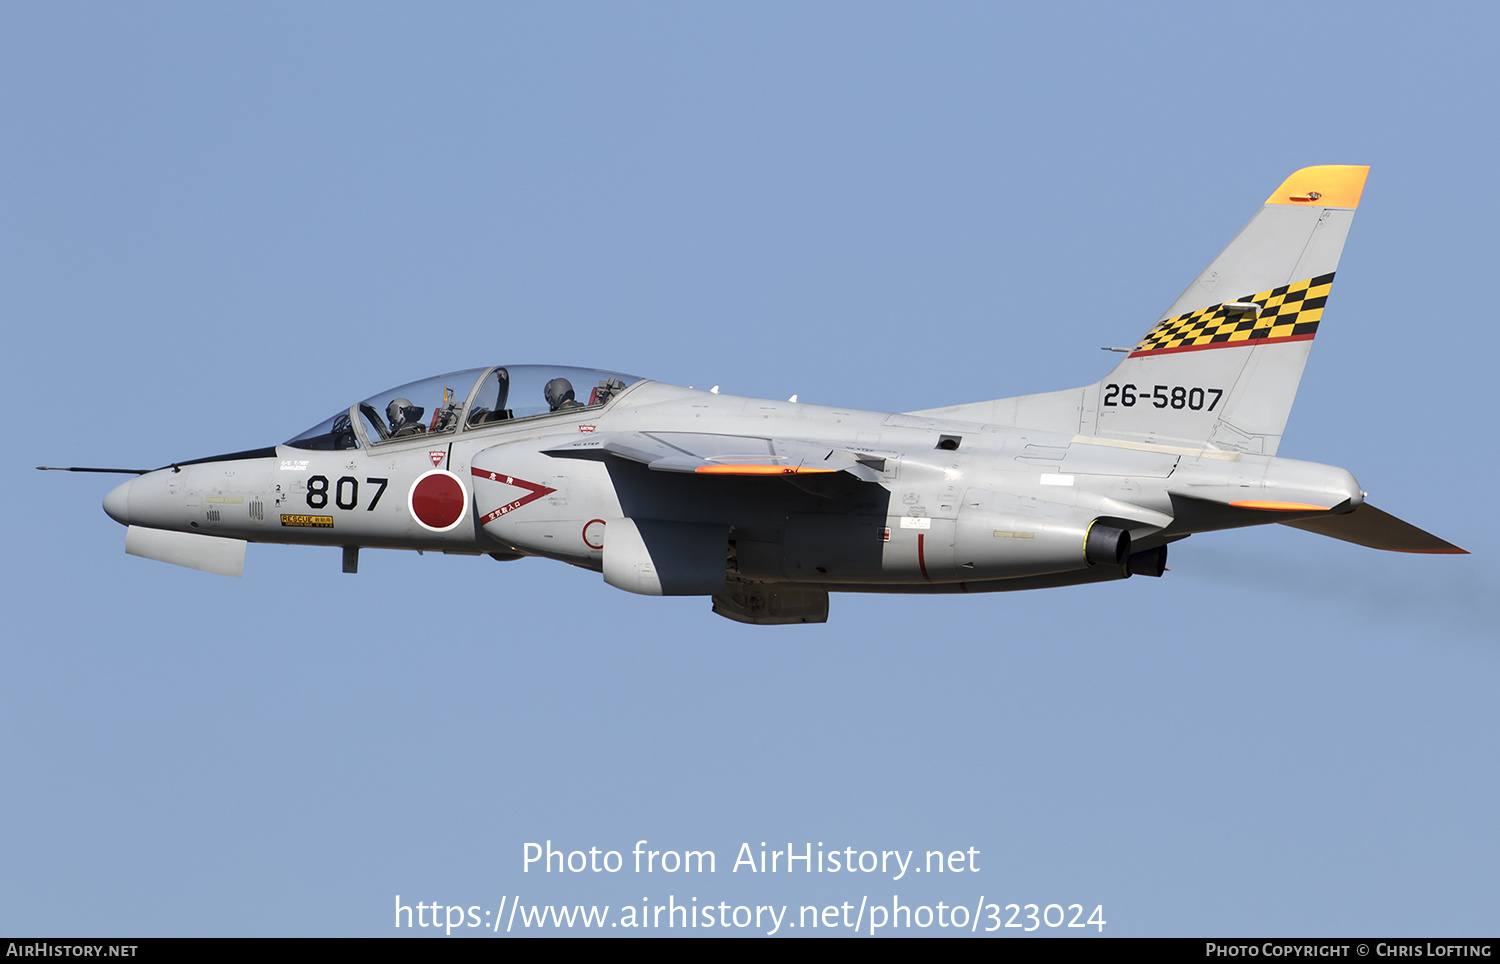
(768, 506)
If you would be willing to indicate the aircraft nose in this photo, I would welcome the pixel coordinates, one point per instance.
(117, 503)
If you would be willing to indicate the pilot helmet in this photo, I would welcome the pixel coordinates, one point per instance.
(558, 392)
(401, 411)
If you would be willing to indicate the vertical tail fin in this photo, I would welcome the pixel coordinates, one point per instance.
(1222, 364)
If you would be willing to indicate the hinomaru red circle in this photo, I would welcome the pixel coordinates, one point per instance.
(438, 500)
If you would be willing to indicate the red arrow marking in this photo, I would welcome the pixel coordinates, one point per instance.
(536, 492)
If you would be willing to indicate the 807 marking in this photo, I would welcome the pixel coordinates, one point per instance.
(345, 492)
(1163, 396)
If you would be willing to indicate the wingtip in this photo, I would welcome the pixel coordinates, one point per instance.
(1324, 185)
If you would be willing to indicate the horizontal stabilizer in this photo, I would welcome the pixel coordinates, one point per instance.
(1368, 526)
(700, 453)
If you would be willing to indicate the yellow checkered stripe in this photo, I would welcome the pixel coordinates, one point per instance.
(1291, 311)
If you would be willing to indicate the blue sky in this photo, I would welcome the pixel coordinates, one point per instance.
(221, 224)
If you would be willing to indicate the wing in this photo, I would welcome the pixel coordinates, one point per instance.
(700, 453)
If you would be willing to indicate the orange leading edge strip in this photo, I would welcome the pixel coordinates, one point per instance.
(1335, 186)
(756, 470)
(1279, 506)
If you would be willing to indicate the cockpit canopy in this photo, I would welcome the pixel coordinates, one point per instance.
(463, 401)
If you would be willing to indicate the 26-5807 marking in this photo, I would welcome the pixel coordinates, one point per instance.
(1163, 396)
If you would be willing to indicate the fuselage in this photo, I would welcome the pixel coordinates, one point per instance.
(941, 505)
